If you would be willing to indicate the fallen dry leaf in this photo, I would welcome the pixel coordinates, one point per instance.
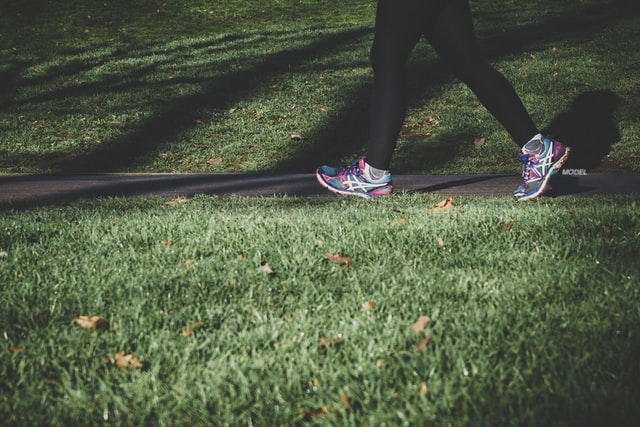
(186, 263)
(424, 343)
(446, 204)
(313, 413)
(177, 201)
(346, 401)
(214, 161)
(507, 226)
(423, 389)
(190, 329)
(441, 242)
(125, 361)
(338, 259)
(95, 323)
(14, 349)
(479, 142)
(296, 137)
(324, 342)
(421, 324)
(368, 305)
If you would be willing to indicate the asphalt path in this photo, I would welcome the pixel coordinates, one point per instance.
(48, 188)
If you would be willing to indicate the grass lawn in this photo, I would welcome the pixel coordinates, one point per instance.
(319, 311)
(285, 311)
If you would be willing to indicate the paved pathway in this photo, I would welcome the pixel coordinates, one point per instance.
(42, 188)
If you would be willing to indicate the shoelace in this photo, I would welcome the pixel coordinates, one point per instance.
(354, 169)
(528, 165)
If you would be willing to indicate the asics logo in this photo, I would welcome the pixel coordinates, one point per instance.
(353, 183)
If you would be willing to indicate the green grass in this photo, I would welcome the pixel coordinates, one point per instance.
(196, 86)
(533, 307)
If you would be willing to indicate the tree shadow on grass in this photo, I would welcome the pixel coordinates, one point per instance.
(234, 79)
(177, 116)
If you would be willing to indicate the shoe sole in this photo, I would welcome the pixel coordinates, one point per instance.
(343, 192)
(545, 181)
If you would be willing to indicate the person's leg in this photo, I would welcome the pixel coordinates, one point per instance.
(399, 26)
(453, 38)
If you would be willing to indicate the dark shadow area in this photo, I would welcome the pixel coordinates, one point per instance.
(36, 190)
(439, 151)
(8, 78)
(340, 137)
(588, 127)
(487, 182)
(560, 185)
(594, 183)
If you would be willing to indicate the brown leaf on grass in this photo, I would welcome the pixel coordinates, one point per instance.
(479, 142)
(125, 361)
(168, 243)
(421, 324)
(214, 161)
(94, 323)
(368, 305)
(15, 350)
(441, 242)
(313, 413)
(186, 263)
(422, 390)
(446, 205)
(296, 137)
(423, 344)
(324, 342)
(177, 201)
(507, 226)
(346, 401)
(338, 259)
(190, 329)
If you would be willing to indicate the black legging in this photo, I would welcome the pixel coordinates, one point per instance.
(448, 26)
